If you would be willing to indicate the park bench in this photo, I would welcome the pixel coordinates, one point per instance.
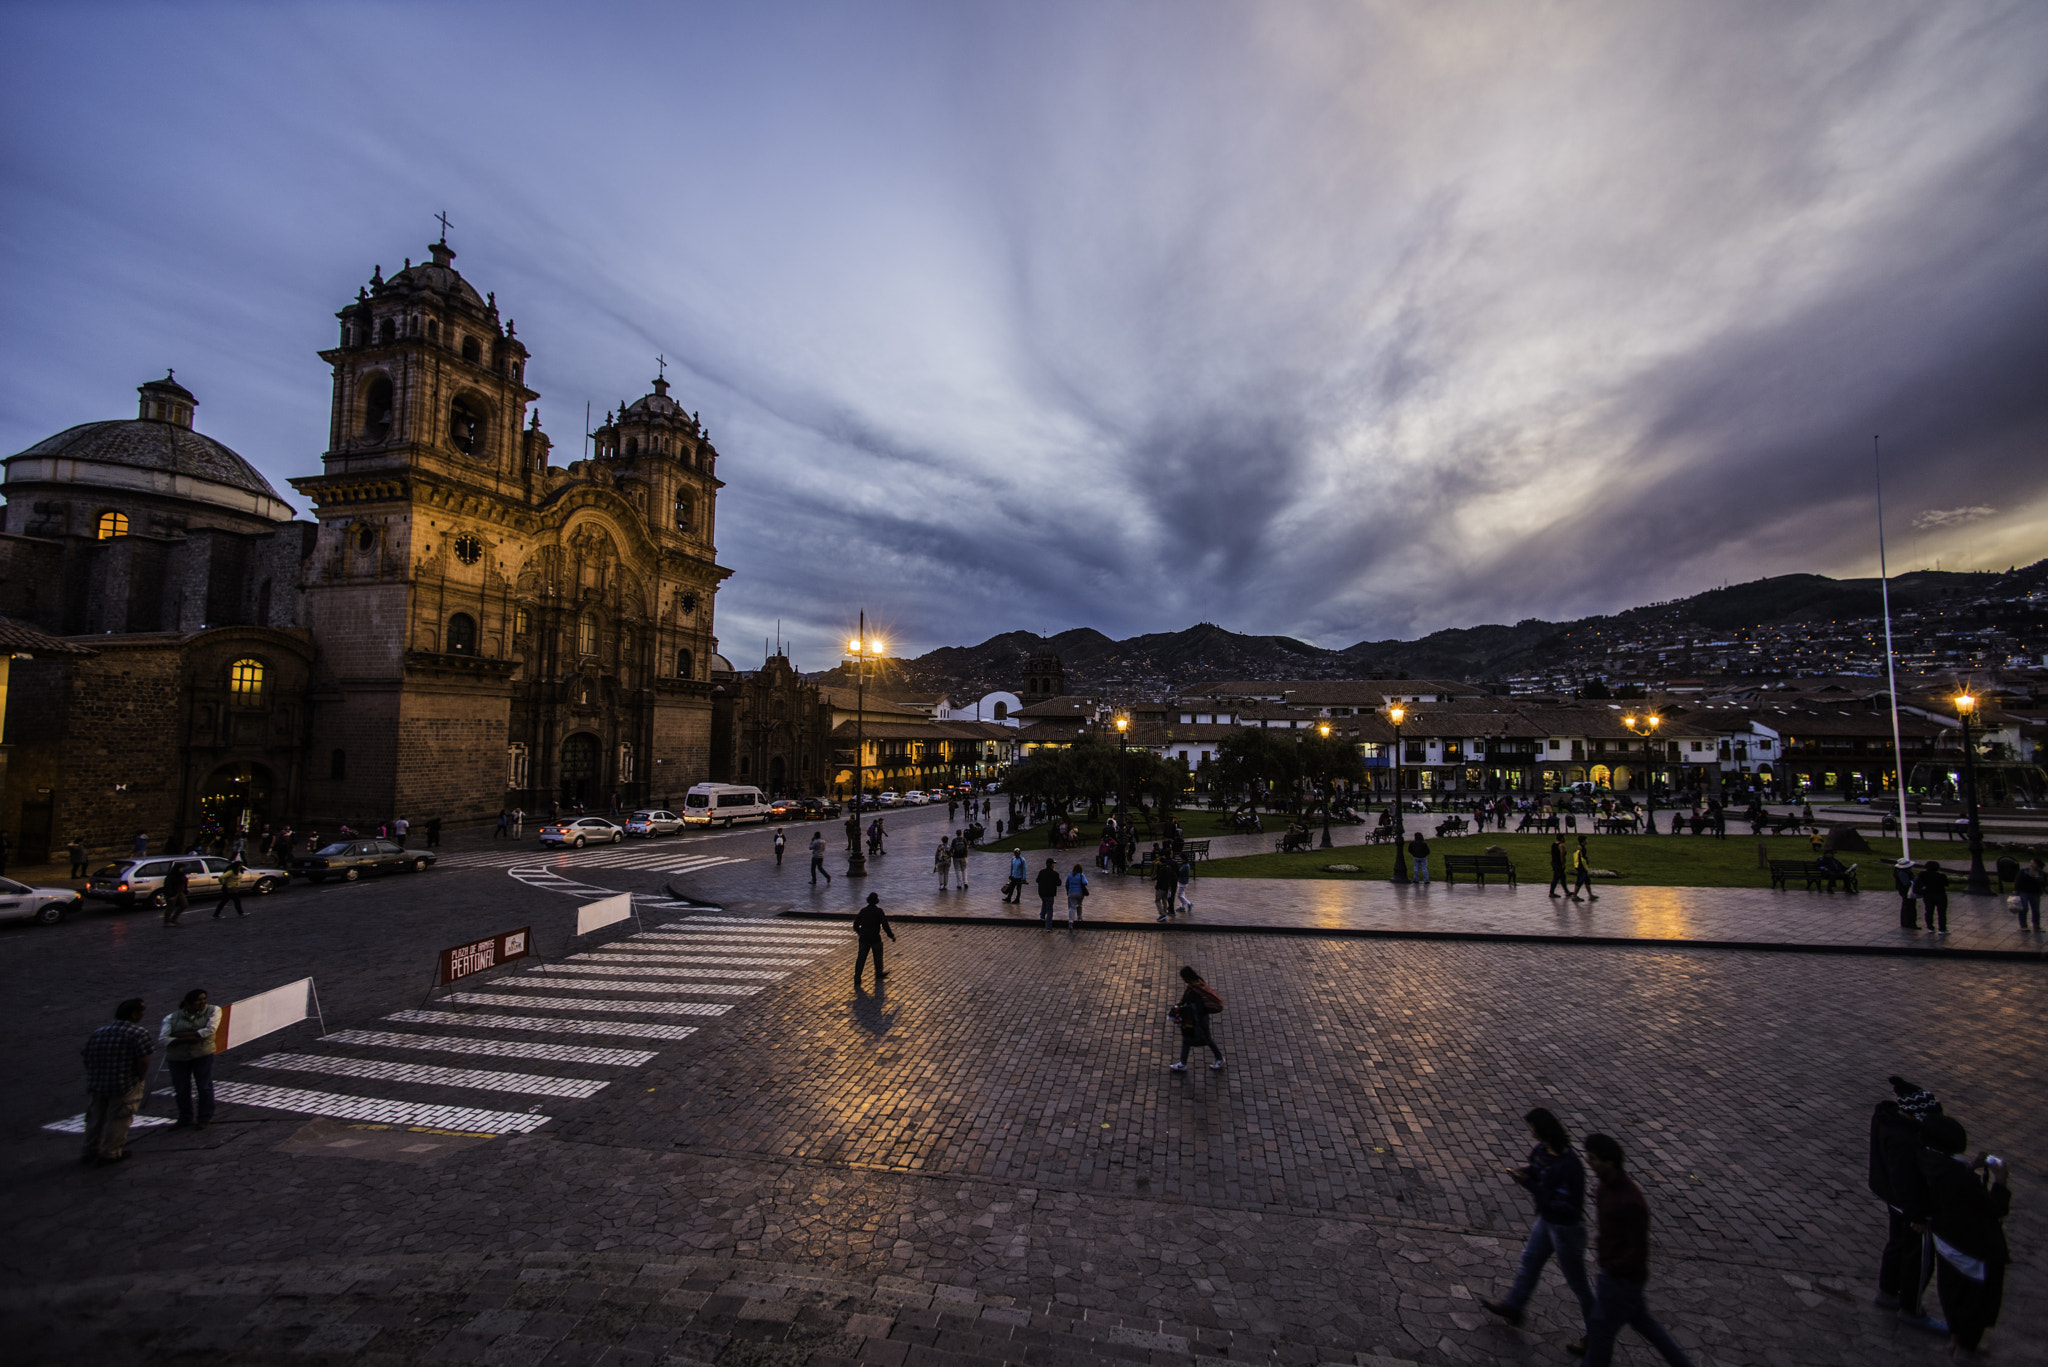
(1291, 842)
(1195, 850)
(1479, 866)
(1784, 870)
(1451, 825)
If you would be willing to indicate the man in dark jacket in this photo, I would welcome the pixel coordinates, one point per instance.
(1049, 884)
(1624, 1254)
(116, 1071)
(1165, 885)
(1896, 1141)
(1931, 887)
(177, 887)
(1556, 1182)
(1967, 1205)
(870, 923)
(1558, 877)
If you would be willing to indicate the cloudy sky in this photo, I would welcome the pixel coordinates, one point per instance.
(1343, 320)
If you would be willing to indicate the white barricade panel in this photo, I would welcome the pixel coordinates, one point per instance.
(266, 1012)
(609, 912)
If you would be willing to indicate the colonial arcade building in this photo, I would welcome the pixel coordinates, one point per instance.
(463, 626)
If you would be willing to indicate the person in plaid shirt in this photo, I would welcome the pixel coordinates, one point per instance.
(116, 1068)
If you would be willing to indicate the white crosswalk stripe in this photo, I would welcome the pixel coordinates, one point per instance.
(76, 1124)
(552, 1025)
(576, 1004)
(712, 957)
(729, 940)
(547, 981)
(481, 1079)
(737, 974)
(337, 1107)
(494, 1048)
(740, 925)
(641, 969)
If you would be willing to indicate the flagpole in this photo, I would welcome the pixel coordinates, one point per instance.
(1891, 675)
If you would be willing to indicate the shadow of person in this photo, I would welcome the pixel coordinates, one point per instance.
(871, 1011)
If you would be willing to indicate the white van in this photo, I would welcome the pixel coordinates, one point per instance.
(721, 804)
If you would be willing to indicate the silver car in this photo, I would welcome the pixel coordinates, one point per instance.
(20, 902)
(126, 882)
(653, 823)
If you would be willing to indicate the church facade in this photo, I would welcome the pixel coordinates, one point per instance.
(462, 625)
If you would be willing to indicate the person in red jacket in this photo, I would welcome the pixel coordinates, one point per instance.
(1624, 1257)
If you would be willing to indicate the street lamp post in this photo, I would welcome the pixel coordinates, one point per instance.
(1324, 730)
(1123, 769)
(1980, 881)
(1397, 714)
(862, 650)
(1646, 725)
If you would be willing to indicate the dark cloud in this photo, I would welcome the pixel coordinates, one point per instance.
(1339, 322)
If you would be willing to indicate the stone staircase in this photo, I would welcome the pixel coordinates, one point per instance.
(574, 1309)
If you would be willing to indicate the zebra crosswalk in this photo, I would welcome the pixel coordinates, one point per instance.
(662, 858)
(621, 1003)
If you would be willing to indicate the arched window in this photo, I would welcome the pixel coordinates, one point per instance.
(632, 446)
(337, 764)
(586, 635)
(366, 539)
(388, 332)
(462, 634)
(684, 665)
(472, 350)
(377, 408)
(110, 525)
(522, 622)
(1003, 711)
(466, 425)
(686, 513)
(245, 682)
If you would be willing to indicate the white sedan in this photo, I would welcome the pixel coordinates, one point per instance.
(20, 902)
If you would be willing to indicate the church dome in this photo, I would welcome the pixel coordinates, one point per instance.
(140, 444)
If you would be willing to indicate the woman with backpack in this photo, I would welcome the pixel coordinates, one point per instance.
(1197, 1004)
(1077, 888)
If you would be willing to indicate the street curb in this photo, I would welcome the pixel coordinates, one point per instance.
(1471, 936)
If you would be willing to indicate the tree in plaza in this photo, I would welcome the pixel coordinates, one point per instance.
(1044, 773)
(1096, 772)
(1330, 760)
(1255, 761)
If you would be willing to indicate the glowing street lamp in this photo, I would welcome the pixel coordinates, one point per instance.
(1980, 881)
(1646, 725)
(864, 651)
(1123, 735)
(1397, 714)
(1324, 730)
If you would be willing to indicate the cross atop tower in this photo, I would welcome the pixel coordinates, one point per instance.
(661, 365)
(443, 217)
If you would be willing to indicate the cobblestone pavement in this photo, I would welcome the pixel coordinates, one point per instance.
(907, 883)
(1000, 1130)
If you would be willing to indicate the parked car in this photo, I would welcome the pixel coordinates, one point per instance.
(819, 808)
(349, 860)
(20, 902)
(915, 798)
(722, 804)
(126, 882)
(889, 799)
(653, 823)
(786, 809)
(584, 830)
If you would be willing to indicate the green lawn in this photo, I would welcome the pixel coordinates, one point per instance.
(1653, 861)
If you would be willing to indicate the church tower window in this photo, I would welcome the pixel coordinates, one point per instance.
(110, 525)
(377, 409)
(686, 513)
(684, 664)
(366, 539)
(472, 350)
(462, 634)
(245, 682)
(466, 425)
(586, 635)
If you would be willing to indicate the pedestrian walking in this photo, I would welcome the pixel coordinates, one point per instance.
(1558, 877)
(1582, 872)
(1165, 884)
(1624, 1257)
(141, 847)
(1967, 1205)
(116, 1070)
(818, 858)
(1418, 857)
(1932, 889)
(518, 823)
(959, 852)
(1897, 1138)
(230, 889)
(853, 830)
(1020, 873)
(939, 862)
(1077, 891)
(76, 849)
(399, 830)
(1556, 1183)
(1183, 879)
(504, 824)
(1198, 1002)
(177, 889)
(188, 1037)
(433, 832)
(1903, 879)
(780, 841)
(2026, 891)
(871, 923)
(1048, 890)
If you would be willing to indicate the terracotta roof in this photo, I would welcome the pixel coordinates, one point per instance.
(25, 639)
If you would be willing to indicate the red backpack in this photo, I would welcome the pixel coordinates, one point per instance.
(1212, 1002)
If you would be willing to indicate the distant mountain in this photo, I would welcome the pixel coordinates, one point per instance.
(1164, 661)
